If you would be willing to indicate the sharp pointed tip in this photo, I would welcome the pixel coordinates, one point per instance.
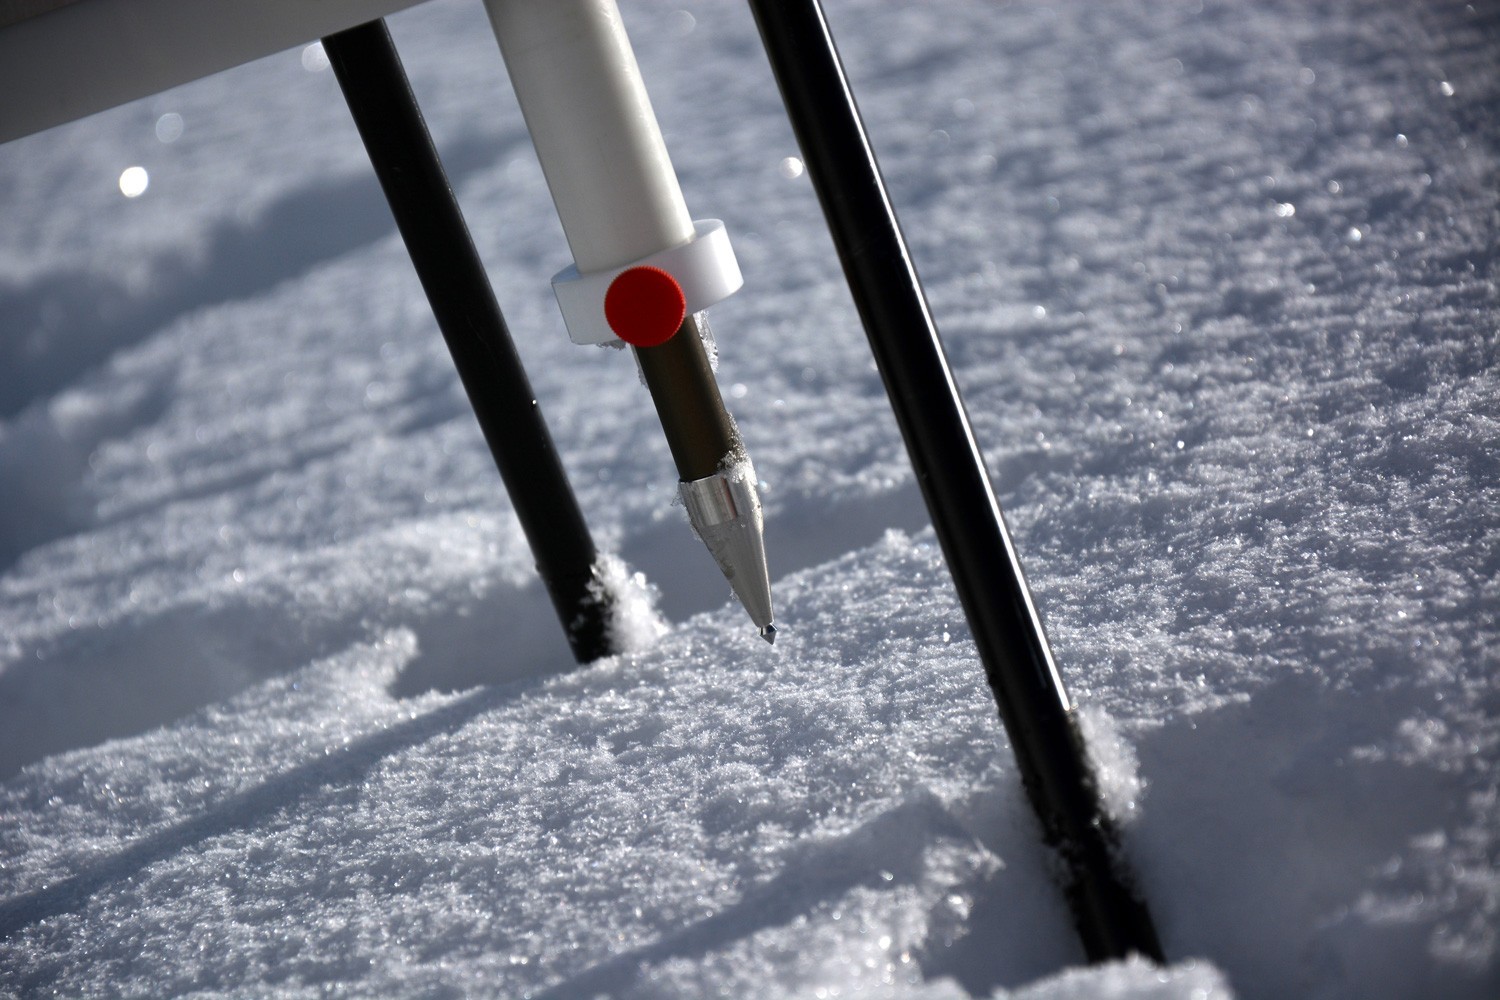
(769, 634)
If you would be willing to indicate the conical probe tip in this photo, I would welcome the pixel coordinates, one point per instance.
(725, 512)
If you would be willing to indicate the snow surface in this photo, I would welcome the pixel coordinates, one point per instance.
(283, 711)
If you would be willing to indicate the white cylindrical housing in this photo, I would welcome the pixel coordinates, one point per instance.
(601, 150)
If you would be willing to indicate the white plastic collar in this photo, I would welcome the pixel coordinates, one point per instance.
(705, 267)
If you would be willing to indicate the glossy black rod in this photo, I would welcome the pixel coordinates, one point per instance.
(390, 123)
(1034, 706)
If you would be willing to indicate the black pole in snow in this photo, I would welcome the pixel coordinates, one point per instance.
(1111, 918)
(390, 123)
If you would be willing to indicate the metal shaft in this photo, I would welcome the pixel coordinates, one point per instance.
(699, 430)
(717, 483)
(380, 98)
(1112, 920)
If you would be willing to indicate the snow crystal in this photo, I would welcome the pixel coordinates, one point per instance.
(633, 623)
(1114, 761)
(284, 710)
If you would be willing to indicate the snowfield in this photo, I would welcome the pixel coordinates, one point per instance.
(283, 711)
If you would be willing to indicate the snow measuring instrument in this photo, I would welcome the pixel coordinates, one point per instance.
(644, 272)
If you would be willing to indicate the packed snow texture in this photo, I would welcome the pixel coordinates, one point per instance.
(284, 711)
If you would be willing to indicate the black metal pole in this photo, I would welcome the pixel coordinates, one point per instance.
(390, 123)
(1111, 918)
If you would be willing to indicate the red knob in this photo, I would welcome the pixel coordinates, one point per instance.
(644, 306)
